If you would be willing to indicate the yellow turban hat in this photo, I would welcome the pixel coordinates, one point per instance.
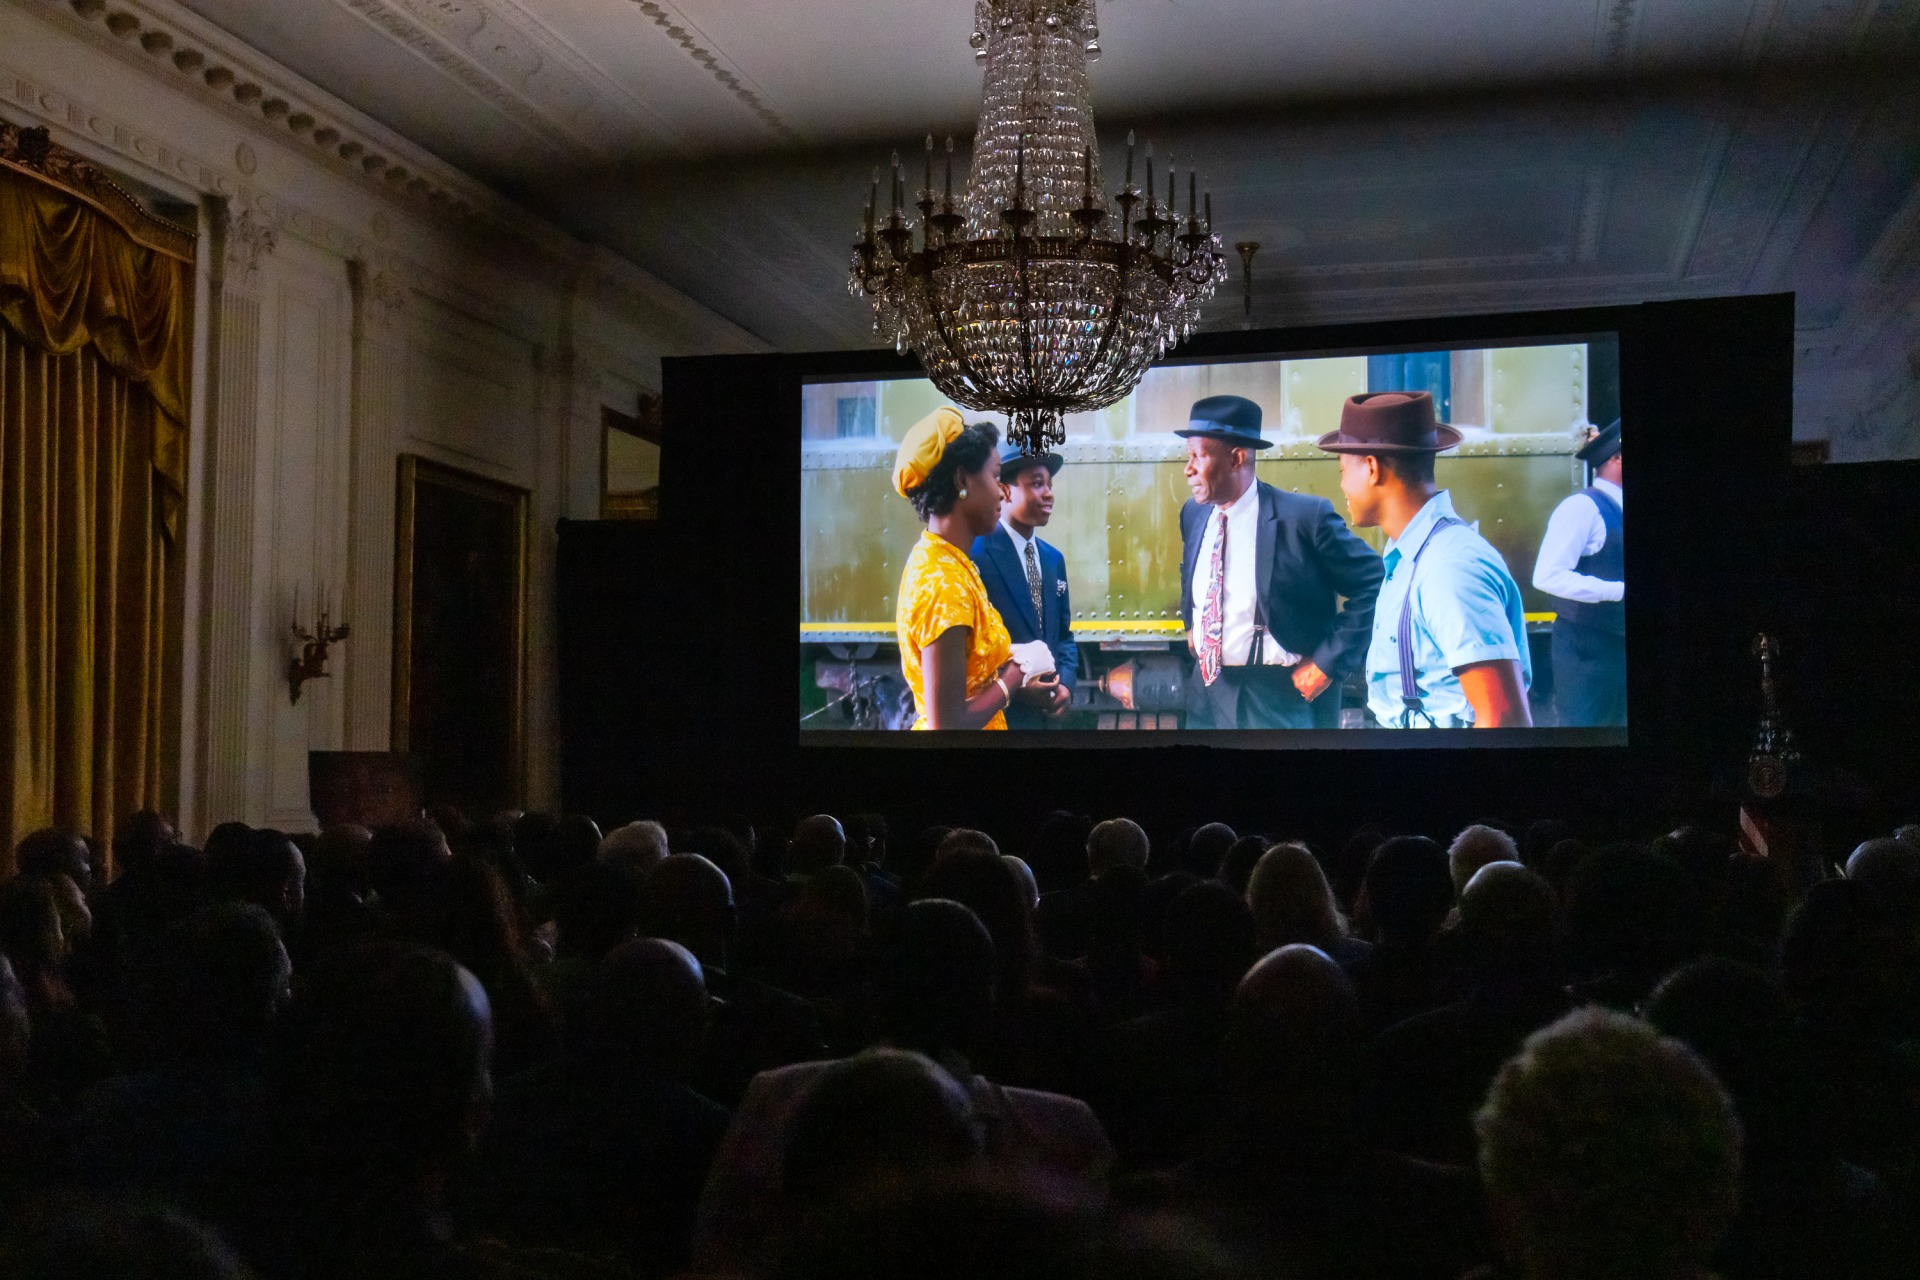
(920, 451)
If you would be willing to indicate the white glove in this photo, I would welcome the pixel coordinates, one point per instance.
(1034, 657)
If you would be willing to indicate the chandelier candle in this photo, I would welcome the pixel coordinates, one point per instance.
(1027, 299)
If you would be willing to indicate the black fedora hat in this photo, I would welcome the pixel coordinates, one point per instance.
(1017, 459)
(1232, 419)
(1601, 445)
(1390, 422)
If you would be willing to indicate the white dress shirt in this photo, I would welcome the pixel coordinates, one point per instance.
(1242, 602)
(1576, 529)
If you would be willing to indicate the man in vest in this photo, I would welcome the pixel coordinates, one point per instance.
(1582, 564)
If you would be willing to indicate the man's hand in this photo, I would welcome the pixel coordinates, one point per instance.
(1062, 698)
(1310, 680)
(1040, 690)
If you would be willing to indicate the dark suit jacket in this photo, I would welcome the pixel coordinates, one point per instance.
(1307, 560)
(1006, 580)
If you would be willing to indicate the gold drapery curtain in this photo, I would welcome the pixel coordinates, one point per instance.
(95, 349)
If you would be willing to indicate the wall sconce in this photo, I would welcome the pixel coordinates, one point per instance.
(311, 662)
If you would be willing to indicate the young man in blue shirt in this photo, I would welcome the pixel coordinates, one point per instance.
(1449, 647)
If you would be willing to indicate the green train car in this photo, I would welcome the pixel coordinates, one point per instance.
(1524, 411)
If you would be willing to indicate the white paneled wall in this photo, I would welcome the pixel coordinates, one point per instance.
(345, 321)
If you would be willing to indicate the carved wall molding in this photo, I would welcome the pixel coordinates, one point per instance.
(250, 241)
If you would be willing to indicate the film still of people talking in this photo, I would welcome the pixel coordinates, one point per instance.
(1170, 566)
(959, 640)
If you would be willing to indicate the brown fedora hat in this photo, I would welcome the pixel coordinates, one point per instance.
(1390, 422)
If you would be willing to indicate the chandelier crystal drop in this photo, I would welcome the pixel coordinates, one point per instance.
(1030, 294)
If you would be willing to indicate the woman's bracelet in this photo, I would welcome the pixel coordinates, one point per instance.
(1004, 693)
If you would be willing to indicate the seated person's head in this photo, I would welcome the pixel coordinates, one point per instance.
(53, 851)
(819, 842)
(965, 840)
(1843, 960)
(140, 839)
(224, 977)
(1738, 1020)
(646, 1009)
(406, 864)
(575, 842)
(829, 915)
(1507, 924)
(1891, 868)
(269, 871)
(1293, 1031)
(1408, 890)
(1117, 842)
(1024, 873)
(1243, 855)
(340, 858)
(383, 1071)
(1474, 848)
(987, 886)
(873, 1122)
(1608, 1153)
(1207, 848)
(1208, 937)
(936, 979)
(31, 930)
(1292, 901)
(596, 908)
(638, 846)
(689, 900)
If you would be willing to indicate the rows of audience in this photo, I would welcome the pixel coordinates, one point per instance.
(522, 1047)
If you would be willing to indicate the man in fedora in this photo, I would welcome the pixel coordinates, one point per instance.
(1261, 580)
(1583, 565)
(1449, 645)
(1027, 582)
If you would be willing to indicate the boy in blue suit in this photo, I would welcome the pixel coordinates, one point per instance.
(1027, 582)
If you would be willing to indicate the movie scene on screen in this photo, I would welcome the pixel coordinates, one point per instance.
(1347, 546)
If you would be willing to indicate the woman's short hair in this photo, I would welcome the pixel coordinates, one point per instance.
(967, 452)
(1610, 1150)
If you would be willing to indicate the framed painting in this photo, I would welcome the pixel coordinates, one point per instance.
(460, 634)
(630, 461)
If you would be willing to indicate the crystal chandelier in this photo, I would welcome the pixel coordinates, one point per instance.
(1028, 297)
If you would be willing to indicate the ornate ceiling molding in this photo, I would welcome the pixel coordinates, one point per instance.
(683, 33)
(507, 57)
(172, 45)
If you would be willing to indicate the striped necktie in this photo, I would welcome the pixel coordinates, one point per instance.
(1033, 586)
(1213, 610)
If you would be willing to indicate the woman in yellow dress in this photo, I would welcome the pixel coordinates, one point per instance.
(955, 653)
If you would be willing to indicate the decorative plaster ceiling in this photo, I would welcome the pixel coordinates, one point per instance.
(503, 87)
(1393, 157)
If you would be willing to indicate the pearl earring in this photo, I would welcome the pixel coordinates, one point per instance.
(963, 494)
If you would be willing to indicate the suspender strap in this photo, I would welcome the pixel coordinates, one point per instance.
(1409, 684)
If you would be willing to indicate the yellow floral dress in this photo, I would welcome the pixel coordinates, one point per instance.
(940, 588)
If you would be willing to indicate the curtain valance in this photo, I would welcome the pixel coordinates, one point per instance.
(81, 264)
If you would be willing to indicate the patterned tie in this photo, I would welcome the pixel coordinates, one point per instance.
(1213, 612)
(1033, 585)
